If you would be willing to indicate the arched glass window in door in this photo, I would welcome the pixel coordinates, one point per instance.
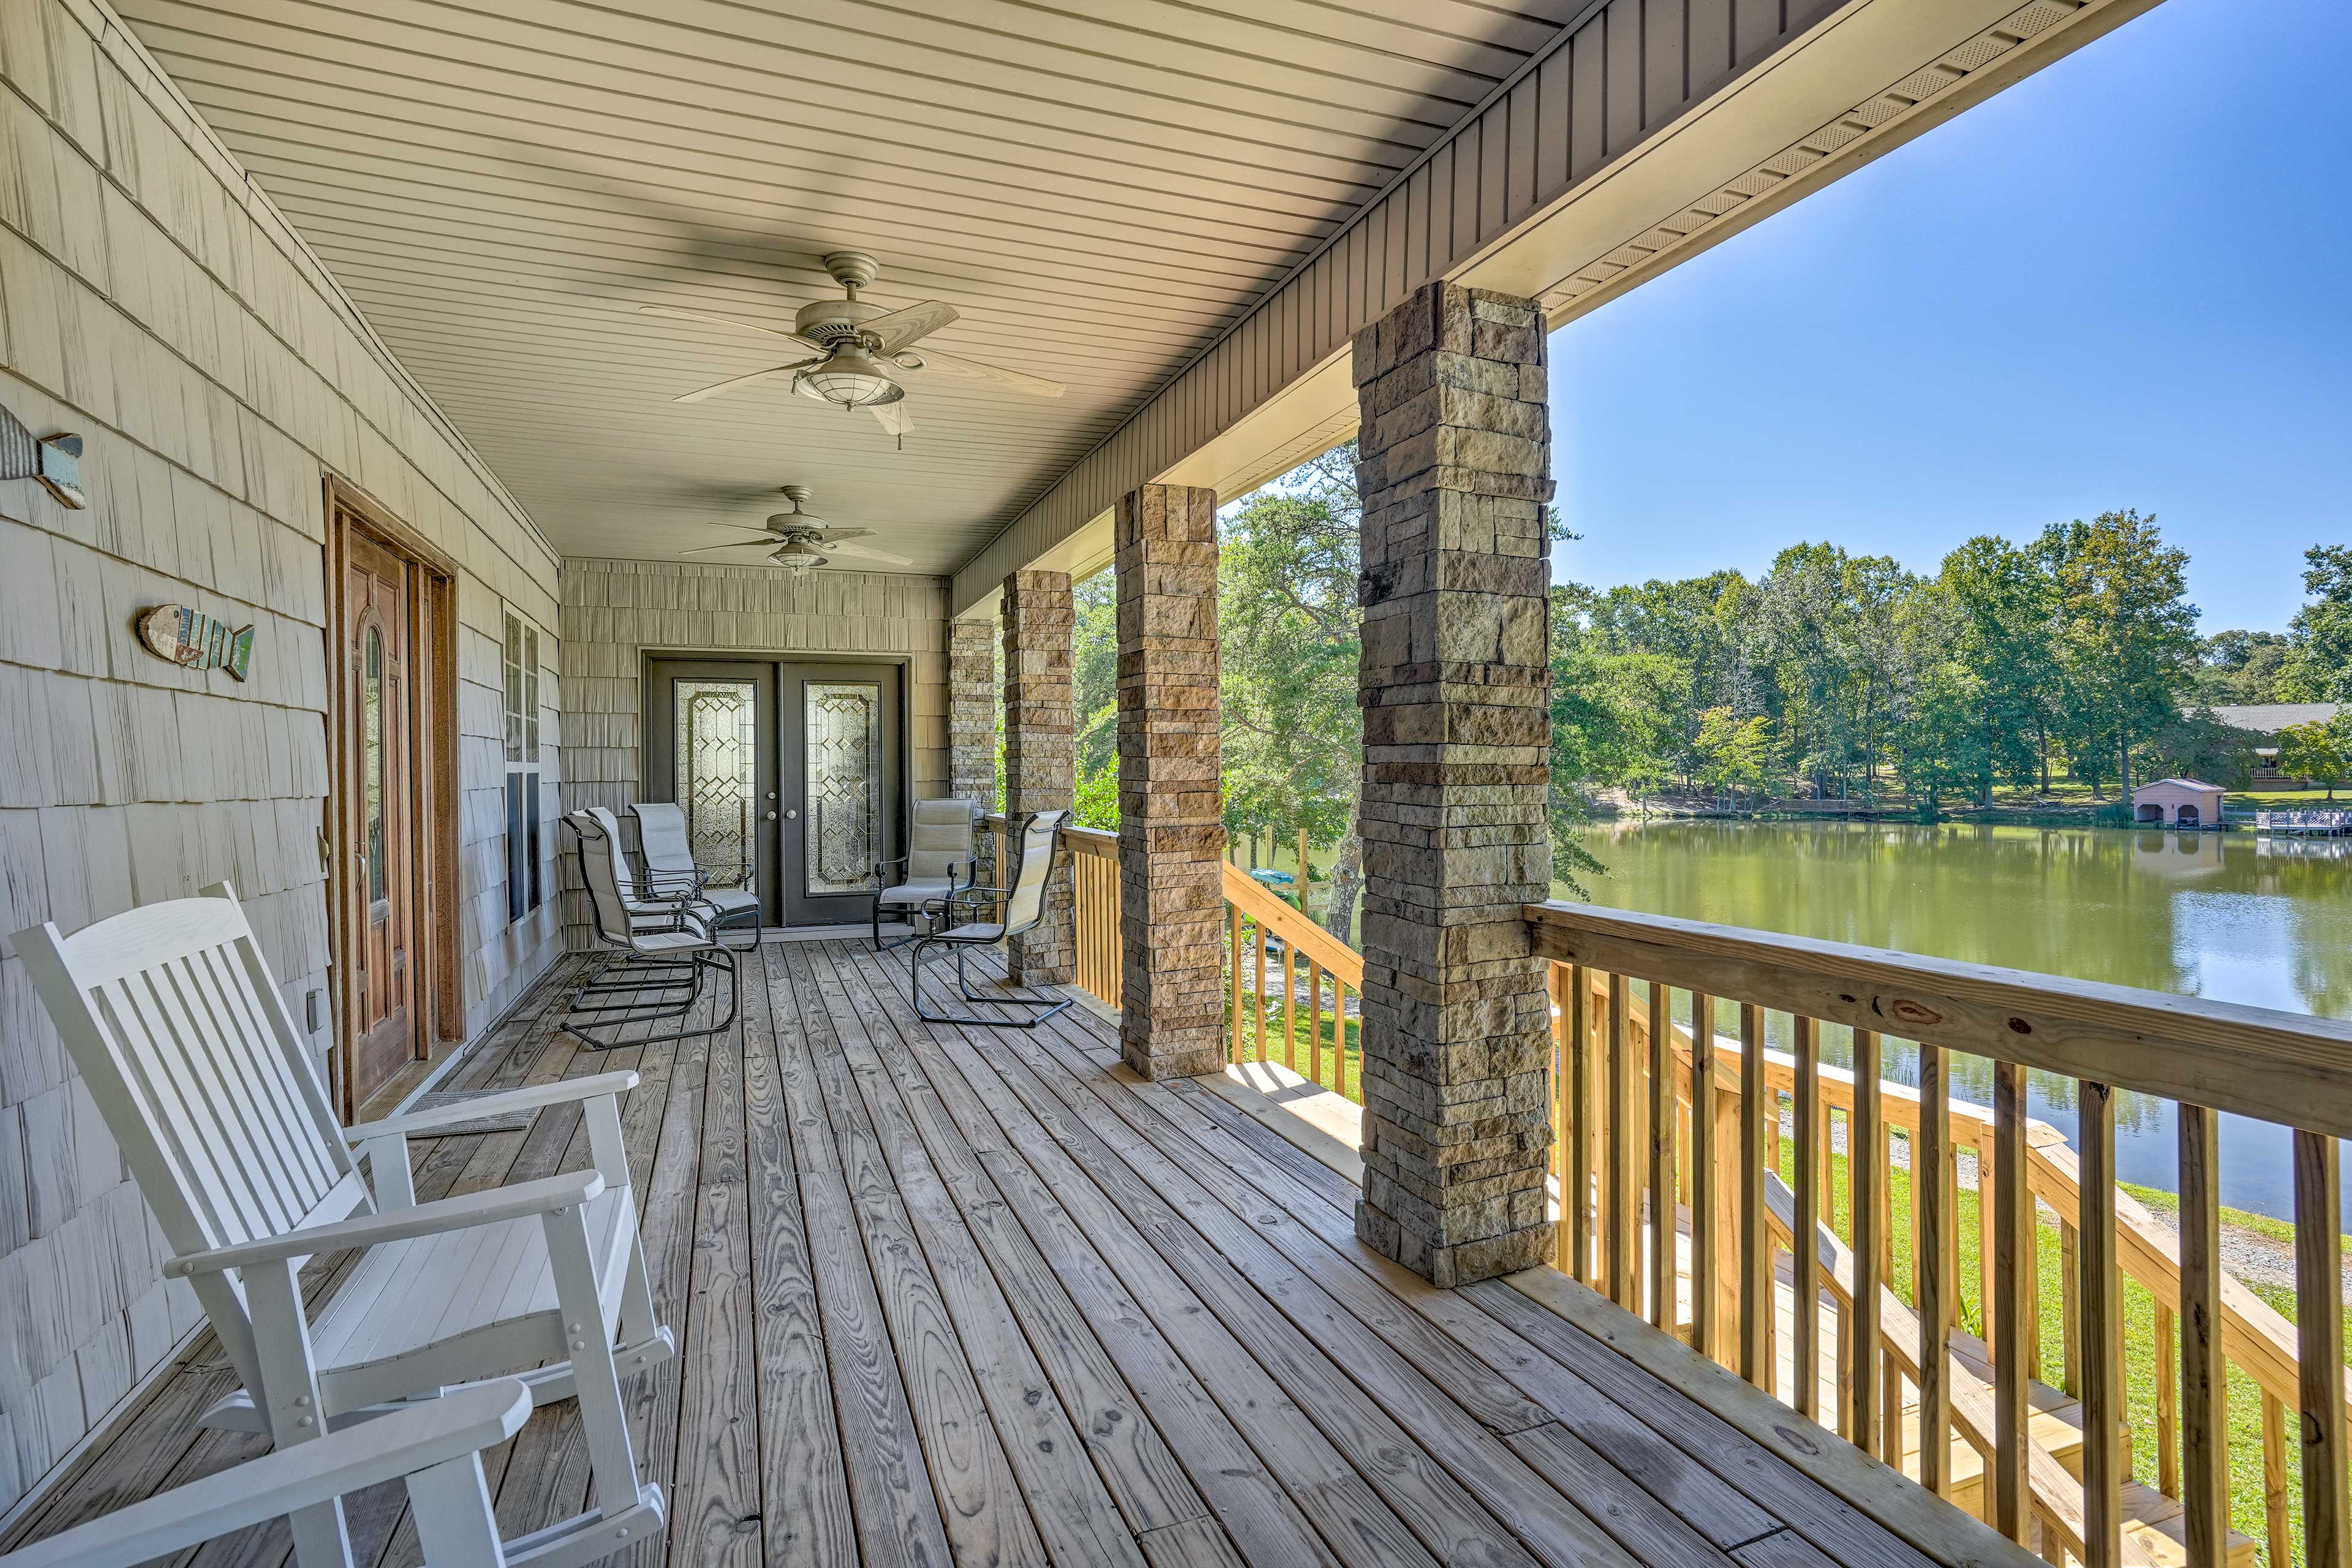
(372, 760)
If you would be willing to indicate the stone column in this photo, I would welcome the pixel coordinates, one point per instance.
(1041, 753)
(972, 725)
(1171, 835)
(1454, 467)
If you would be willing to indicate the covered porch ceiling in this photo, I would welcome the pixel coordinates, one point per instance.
(1098, 190)
(1181, 209)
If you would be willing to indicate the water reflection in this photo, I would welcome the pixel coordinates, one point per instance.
(2229, 916)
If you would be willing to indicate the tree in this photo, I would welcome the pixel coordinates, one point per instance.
(2237, 666)
(2318, 664)
(2321, 749)
(1290, 636)
(1737, 754)
(2126, 632)
(2004, 607)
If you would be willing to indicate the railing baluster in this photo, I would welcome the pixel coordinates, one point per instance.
(1339, 1028)
(2274, 1475)
(2013, 1285)
(1259, 1018)
(2167, 1407)
(1556, 1006)
(2070, 1309)
(1865, 1143)
(1290, 1001)
(1804, 1250)
(1624, 1188)
(1755, 1306)
(1583, 1104)
(1233, 927)
(2099, 1314)
(1707, 1183)
(1984, 1234)
(2204, 1375)
(1664, 1271)
(2319, 1340)
(1314, 1021)
(1928, 1153)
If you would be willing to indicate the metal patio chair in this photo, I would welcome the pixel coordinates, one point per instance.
(956, 922)
(669, 867)
(942, 838)
(189, 1050)
(659, 951)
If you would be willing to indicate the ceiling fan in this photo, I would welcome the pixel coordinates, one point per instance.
(857, 349)
(794, 537)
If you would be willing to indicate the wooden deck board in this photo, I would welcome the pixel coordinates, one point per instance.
(950, 1295)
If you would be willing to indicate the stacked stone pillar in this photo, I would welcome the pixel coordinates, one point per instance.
(1041, 758)
(972, 725)
(1171, 835)
(1454, 469)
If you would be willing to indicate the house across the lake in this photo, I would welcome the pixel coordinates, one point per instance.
(2264, 720)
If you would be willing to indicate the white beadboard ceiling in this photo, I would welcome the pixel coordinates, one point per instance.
(1100, 187)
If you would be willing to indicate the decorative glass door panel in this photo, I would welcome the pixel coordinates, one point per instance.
(841, 725)
(717, 777)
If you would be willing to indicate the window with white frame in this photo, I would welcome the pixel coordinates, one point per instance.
(525, 888)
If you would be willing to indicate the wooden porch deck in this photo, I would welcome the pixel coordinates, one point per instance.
(976, 1297)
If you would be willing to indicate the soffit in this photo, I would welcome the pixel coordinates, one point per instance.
(1100, 190)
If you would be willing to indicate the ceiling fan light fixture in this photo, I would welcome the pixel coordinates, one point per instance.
(851, 378)
(797, 557)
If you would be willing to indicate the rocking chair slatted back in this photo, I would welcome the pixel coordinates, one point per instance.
(1041, 840)
(187, 1046)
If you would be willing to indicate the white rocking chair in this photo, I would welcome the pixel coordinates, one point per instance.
(436, 1446)
(188, 1048)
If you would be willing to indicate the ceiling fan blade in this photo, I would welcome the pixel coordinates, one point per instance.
(894, 418)
(830, 535)
(740, 545)
(901, 328)
(869, 552)
(731, 383)
(932, 359)
(676, 314)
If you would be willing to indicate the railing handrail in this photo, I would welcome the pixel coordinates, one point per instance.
(1282, 920)
(2289, 1069)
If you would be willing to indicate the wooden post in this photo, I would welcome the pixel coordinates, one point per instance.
(1804, 1252)
(1665, 1275)
(2099, 1312)
(2319, 1340)
(2013, 1284)
(1865, 1143)
(2204, 1377)
(1755, 1240)
(1927, 1259)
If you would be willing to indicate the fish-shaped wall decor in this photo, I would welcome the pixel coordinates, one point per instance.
(197, 640)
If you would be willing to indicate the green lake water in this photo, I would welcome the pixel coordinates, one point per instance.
(2231, 916)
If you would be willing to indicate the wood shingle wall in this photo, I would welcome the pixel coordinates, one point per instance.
(153, 299)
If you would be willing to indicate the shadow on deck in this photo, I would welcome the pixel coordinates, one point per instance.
(980, 1297)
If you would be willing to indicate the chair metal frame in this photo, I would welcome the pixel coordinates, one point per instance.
(1023, 900)
(930, 911)
(660, 949)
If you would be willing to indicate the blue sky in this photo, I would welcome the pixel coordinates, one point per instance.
(2126, 281)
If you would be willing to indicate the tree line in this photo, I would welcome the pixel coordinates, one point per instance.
(2075, 656)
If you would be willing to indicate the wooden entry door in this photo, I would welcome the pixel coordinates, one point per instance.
(380, 713)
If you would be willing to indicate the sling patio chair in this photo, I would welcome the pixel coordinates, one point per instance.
(669, 867)
(189, 1050)
(941, 839)
(955, 922)
(659, 951)
(436, 1446)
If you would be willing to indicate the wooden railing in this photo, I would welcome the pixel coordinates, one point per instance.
(1306, 1039)
(1705, 1157)
(1093, 880)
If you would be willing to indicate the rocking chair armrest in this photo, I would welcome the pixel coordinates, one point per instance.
(425, 1124)
(495, 1206)
(430, 1433)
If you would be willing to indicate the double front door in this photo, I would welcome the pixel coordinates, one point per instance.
(791, 776)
